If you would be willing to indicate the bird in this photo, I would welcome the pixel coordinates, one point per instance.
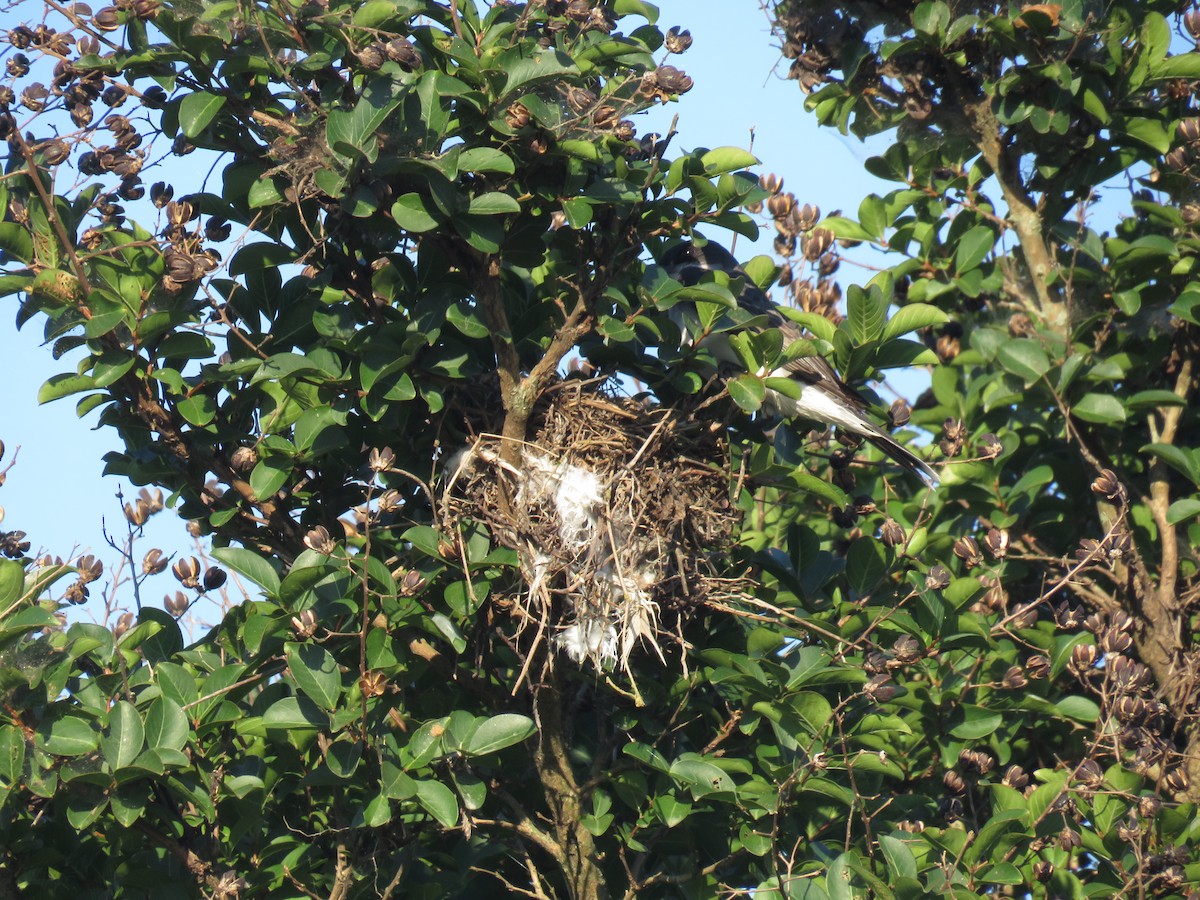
(824, 396)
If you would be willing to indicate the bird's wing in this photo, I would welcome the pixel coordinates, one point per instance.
(809, 370)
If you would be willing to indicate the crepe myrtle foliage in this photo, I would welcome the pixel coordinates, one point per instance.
(395, 225)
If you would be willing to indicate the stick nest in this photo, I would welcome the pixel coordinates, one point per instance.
(619, 512)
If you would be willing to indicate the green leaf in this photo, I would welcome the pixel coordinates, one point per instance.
(1081, 709)
(439, 801)
(973, 248)
(1002, 873)
(166, 725)
(251, 565)
(899, 857)
(727, 159)
(748, 392)
(1182, 510)
(494, 204)
(12, 582)
(486, 159)
(1102, 409)
(866, 313)
(269, 475)
(975, 722)
(499, 732)
(64, 385)
(413, 212)
(1184, 461)
(12, 756)
(353, 133)
(315, 673)
(68, 736)
(700, 776)
(910, 318)
(294, 713)
(125, 736)
(866, 564)
(1024, 358)
(524, 68)
(197, 110)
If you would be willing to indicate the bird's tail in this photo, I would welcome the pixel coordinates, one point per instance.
(901, 454)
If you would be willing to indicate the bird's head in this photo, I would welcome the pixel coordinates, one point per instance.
(686, 261)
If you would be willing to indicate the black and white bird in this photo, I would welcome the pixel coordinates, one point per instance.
(824, 397)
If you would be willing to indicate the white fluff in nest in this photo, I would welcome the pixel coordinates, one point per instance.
(589, 639)
(609, 580)
(578, 496)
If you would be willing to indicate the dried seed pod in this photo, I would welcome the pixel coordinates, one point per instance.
(996, 542)
(34, 97)
(1083, 658)
(372, 56)
(1090, 774)
(1014, 678)
(892, 533)
(154, 97)
(1113, 641)
(678, 40)
(161, 194)
(123, 624)
(1015, 778)
(816, 243)
(875, 662)
(243, 460)
(153, 499)
(976, 761)
(77, 593)
(373, 684)
(517, 116)
(937, 578)
(907, 649)
(953, 437)
(319, 540)
(403, 53)
(954, 782)
(187, 572)
(177, 604)
(214, 578)
(672, 80)
(89, 568)
(305, 624)
(899, 413)
(781, 205)
(154, 562)
(1126, 675)
(966, 549)
(880, 689)
(1176, 781)
(1068, 839)
(1108, 486)
(137, 513)
(381, 460)
(1037, 667)
(412, 582)
(107, 19)
(1179, 159)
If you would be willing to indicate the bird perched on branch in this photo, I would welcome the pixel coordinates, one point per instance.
(824, 397)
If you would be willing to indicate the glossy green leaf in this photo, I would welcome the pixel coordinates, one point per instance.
(315, 673)
(197, 110)
(499, 732)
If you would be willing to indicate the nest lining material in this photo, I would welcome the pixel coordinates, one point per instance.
(619, 513)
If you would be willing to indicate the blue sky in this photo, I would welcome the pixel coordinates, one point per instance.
(56, 493)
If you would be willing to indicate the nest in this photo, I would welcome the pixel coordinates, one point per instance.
(619, 513)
